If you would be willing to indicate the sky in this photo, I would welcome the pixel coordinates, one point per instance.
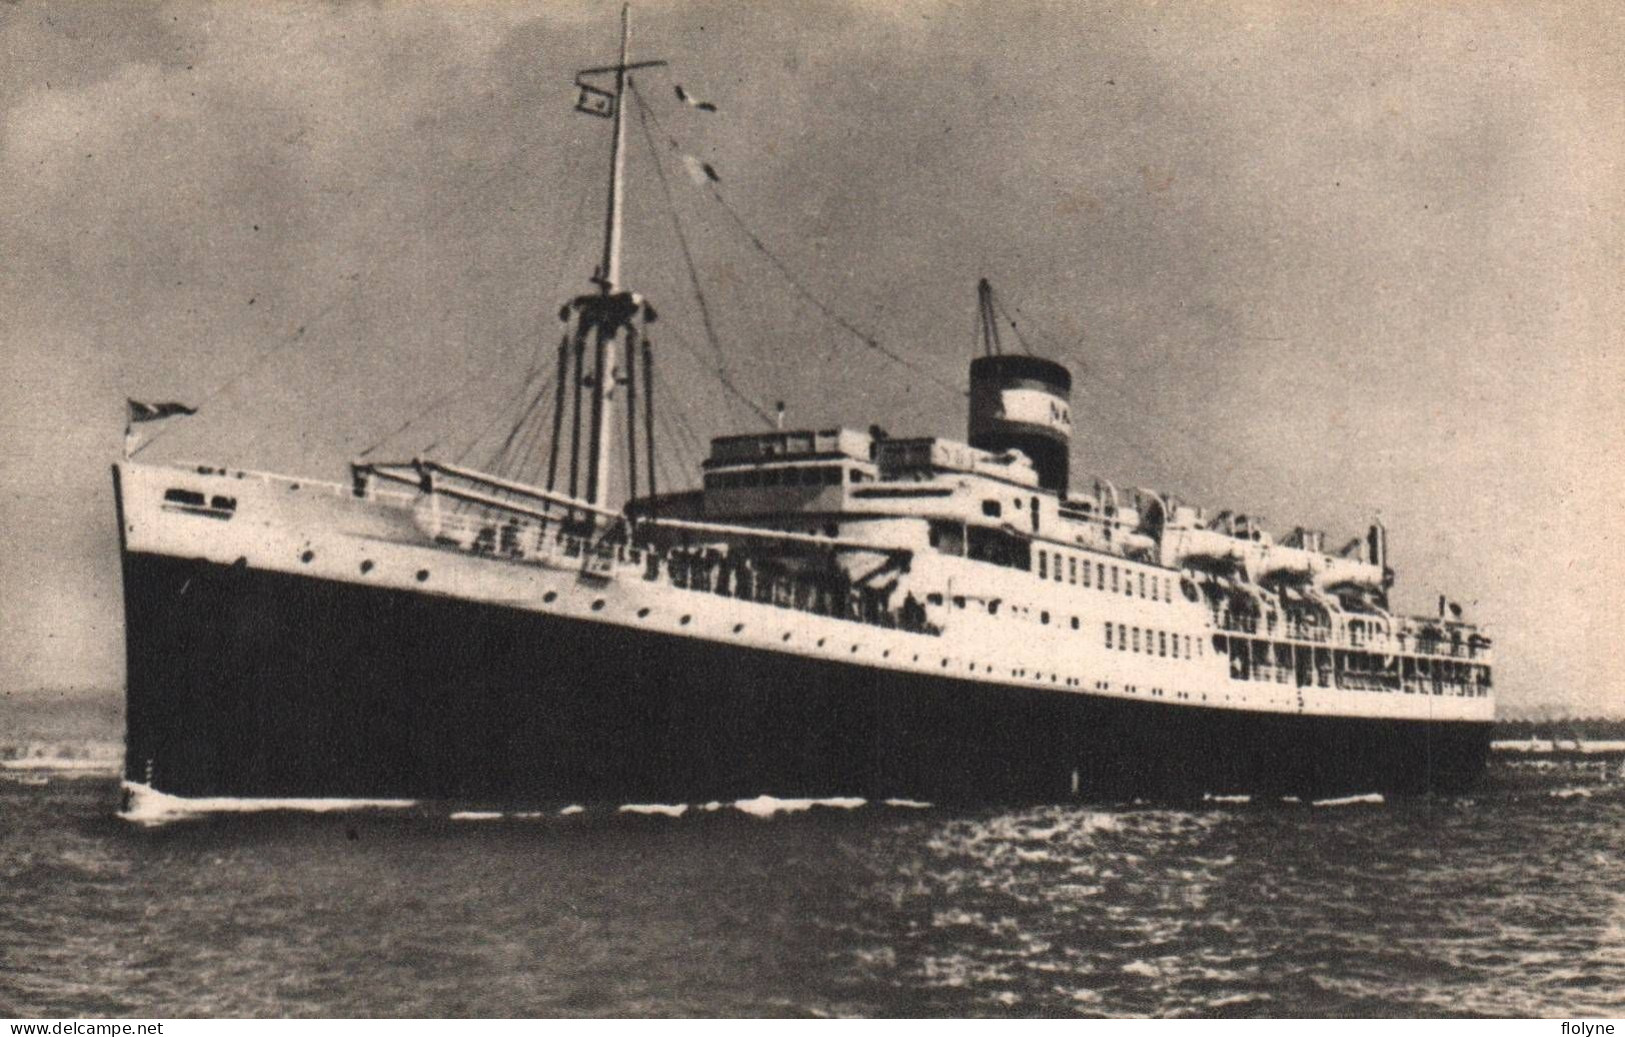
(1317, 262)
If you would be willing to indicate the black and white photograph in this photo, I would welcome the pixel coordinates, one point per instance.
(812, 509)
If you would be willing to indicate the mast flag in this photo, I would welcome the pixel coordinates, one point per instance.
(155, 411)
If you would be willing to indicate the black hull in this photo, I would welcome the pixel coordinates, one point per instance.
(250, 683)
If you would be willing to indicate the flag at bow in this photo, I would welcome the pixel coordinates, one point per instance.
(155, 411)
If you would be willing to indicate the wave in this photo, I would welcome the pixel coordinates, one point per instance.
(1349, 801)
(1575, 792)
(145, 805)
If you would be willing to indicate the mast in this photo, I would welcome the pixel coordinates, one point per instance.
(610, 320)
(988, 319)
(609, 277)
(610, 271)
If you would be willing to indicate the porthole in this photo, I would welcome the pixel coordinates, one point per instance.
(739, 628)
(307, 557)
(549, 598)
(686, 620)
(366, 565)
(854, 649)
(643, 613)
(820, 642)
(787, 635)
(598, 604)
(944, 662)
(423, 575)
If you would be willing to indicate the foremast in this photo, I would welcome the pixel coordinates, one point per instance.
(611, 322)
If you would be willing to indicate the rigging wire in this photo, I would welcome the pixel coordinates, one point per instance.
(789, 276)
(1116, 391)
(998, 304)
(298, 335)
(688, 262)
(502, 457)
(560, 276)
(498, 414)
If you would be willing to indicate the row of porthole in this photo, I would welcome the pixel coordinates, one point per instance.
(307, 556)
(739, 628)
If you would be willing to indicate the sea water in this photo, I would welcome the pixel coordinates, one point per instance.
(1509, 901)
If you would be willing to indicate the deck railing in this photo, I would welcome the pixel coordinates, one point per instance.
(699, 570)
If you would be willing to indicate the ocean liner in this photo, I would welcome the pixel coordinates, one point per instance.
(832, 612)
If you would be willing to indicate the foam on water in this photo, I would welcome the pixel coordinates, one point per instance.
(767, 806)
(662, 809)
(147, 806)
(1349, 801)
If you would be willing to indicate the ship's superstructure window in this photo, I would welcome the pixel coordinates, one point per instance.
(1100, 575)
(1162, 643)
(998, 547)
(991, 508)
(1122, 637)
(1086, 571)
(1142, 584)
(1072, 571)
(947, 537)
(1136, 639)
(1114, 579)
(1108, 635)
(1043, 561)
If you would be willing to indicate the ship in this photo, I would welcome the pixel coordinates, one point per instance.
(823, 612)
